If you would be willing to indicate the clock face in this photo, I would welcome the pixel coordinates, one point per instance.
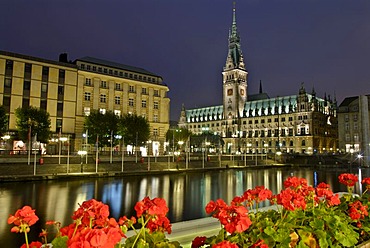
(230, 92)
(242, 92)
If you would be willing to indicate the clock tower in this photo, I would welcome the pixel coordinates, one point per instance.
(234, 77)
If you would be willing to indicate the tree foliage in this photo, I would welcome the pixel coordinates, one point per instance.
(179, 134)
(134, 129)
(102, 125)
(3, 121)
(35, 120)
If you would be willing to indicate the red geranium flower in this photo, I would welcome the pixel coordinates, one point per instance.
(92, 210)
(357, 211)
(34, 244)
(348, 179)
(23, 219)
(367, 182)
(291, 200)
(260, 244)
(225, 244)
(198, 242)
(156, 206)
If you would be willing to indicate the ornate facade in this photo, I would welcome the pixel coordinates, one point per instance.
(354, 126)
(302, 123)
(70, 90)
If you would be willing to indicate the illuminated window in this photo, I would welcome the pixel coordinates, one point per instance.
(103, 84)
(156, 105)
(117, 112)
(103, 98)
(88, 81)
(87, 111)
(117, 100)
(87, 96)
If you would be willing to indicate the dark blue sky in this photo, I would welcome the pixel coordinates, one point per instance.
(323, 43)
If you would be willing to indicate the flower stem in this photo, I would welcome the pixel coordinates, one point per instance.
(26, 237)
(141, 229)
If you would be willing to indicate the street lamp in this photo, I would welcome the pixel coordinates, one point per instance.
(82, 153)
(249, 145)
(149, 144)
(167, 144)
(61, 139)
(180, 144)
(359, 157)
(266, 145)
(6, 138)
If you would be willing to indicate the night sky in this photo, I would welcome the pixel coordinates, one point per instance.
(323, 43)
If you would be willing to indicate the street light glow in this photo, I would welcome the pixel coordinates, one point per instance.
(81, 153)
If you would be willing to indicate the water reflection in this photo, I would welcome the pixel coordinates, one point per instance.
(186, 194)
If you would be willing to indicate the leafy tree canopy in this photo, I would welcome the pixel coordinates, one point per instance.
(135, 129)
(178, 134)
(35, 120)
(102, 125)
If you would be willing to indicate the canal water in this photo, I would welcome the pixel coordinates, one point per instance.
(186, 194)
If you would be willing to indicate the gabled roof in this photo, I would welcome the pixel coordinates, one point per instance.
(347, 101)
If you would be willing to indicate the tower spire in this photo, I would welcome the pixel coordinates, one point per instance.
(260, 87)
(235, 55)
(234, 76)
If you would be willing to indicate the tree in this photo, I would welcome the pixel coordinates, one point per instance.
(175, 135)
(134, 129)
(3, 121)
(35, 120)
(102, 125)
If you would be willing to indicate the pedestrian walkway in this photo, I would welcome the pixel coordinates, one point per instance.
(60, 168)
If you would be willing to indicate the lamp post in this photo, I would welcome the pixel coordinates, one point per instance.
(123, 152)
(359, 157)
(86, 142)
(111, 147)
(61, 140)
(249, 145)
(173, 145)
(81, 153)
(266, 148)
(167, 144)
(149, 143)
(6, 138)
(180, 143)
(29, 140)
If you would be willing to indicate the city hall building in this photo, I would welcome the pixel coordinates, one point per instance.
(68, 91)
(301, 123)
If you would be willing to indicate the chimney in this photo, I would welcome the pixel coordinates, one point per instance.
(63, 57)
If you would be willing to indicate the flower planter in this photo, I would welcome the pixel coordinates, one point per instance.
(364, 245)
(300, 215)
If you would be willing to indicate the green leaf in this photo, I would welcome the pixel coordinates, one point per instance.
(60, 242)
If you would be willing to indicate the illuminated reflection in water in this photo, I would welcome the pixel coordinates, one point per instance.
(186, 193)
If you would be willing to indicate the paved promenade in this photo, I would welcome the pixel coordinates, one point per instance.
(19, 168)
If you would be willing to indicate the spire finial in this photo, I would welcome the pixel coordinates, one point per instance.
(234, 11)
(260, 87)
